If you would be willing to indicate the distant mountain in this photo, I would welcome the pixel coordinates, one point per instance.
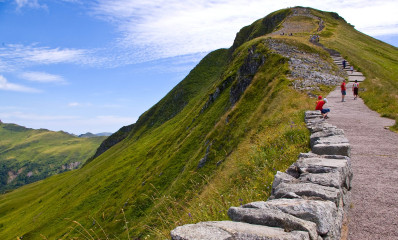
(215, 140)
(103, 134)
(90, 135)
(28, 155)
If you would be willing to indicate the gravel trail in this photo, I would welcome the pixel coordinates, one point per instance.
(374, 209)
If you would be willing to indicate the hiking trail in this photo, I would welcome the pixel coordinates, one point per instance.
(374, 158)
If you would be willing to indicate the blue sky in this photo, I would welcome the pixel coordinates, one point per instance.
(97, 65)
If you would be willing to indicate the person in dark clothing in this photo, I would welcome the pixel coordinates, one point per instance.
(355, 88)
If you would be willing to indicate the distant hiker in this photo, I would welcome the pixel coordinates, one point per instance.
(343, 90)
(319, 106)
(352, 69)
(344, 63)
(355, 88)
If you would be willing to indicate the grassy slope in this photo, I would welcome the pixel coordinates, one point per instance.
(153, 175)
(375, 59)
(104, 185)
(40, 152)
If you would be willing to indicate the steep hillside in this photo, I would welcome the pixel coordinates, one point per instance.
(28, 155)
(214, 141)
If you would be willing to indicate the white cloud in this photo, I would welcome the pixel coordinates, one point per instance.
(7, 86)
(21, 55)
(74, 104)
(77, 104)
(51, 56)
(29, 3)
(42, 77)
(380, 30)
(375, 18)
(158, 28)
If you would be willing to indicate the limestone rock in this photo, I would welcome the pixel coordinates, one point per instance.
(322, 213)
(319, 125)
(312, 114)
(309, 191)
(318, 136)
(332, 138)
(334, 144)
(310, 163)
(330, 179)
(228, 230)
(282, 177)
(337, 148)
(272, 217)
(199, 231)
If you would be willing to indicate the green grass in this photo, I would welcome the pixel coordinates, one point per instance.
(155, 169)
(39, 153)
(150, 182)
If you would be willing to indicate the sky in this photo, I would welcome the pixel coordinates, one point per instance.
(96, 65)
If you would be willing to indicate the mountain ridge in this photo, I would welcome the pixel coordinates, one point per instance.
(28, 155)
(190, 162)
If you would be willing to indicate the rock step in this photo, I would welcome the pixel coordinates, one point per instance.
(355, 73)
(358, 78)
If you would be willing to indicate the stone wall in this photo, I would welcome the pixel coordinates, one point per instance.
(308, 201)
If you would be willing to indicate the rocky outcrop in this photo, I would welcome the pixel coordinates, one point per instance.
(246, 73)
(308, 70)
(70, 166)
(204, 159)
(308, 201)
(241, 80)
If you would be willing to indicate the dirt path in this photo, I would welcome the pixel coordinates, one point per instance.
(374, 211)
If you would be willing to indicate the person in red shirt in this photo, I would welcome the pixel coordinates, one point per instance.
(319, 106)
(343, 90)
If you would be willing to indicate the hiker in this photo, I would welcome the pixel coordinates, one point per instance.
(355, 88)
(352, 69)
(319, 106)
(343, 90)
(344, 63)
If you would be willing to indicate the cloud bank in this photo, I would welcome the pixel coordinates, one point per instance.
(156, 29)
(159, 28)
(43, 77)
(7, 86)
